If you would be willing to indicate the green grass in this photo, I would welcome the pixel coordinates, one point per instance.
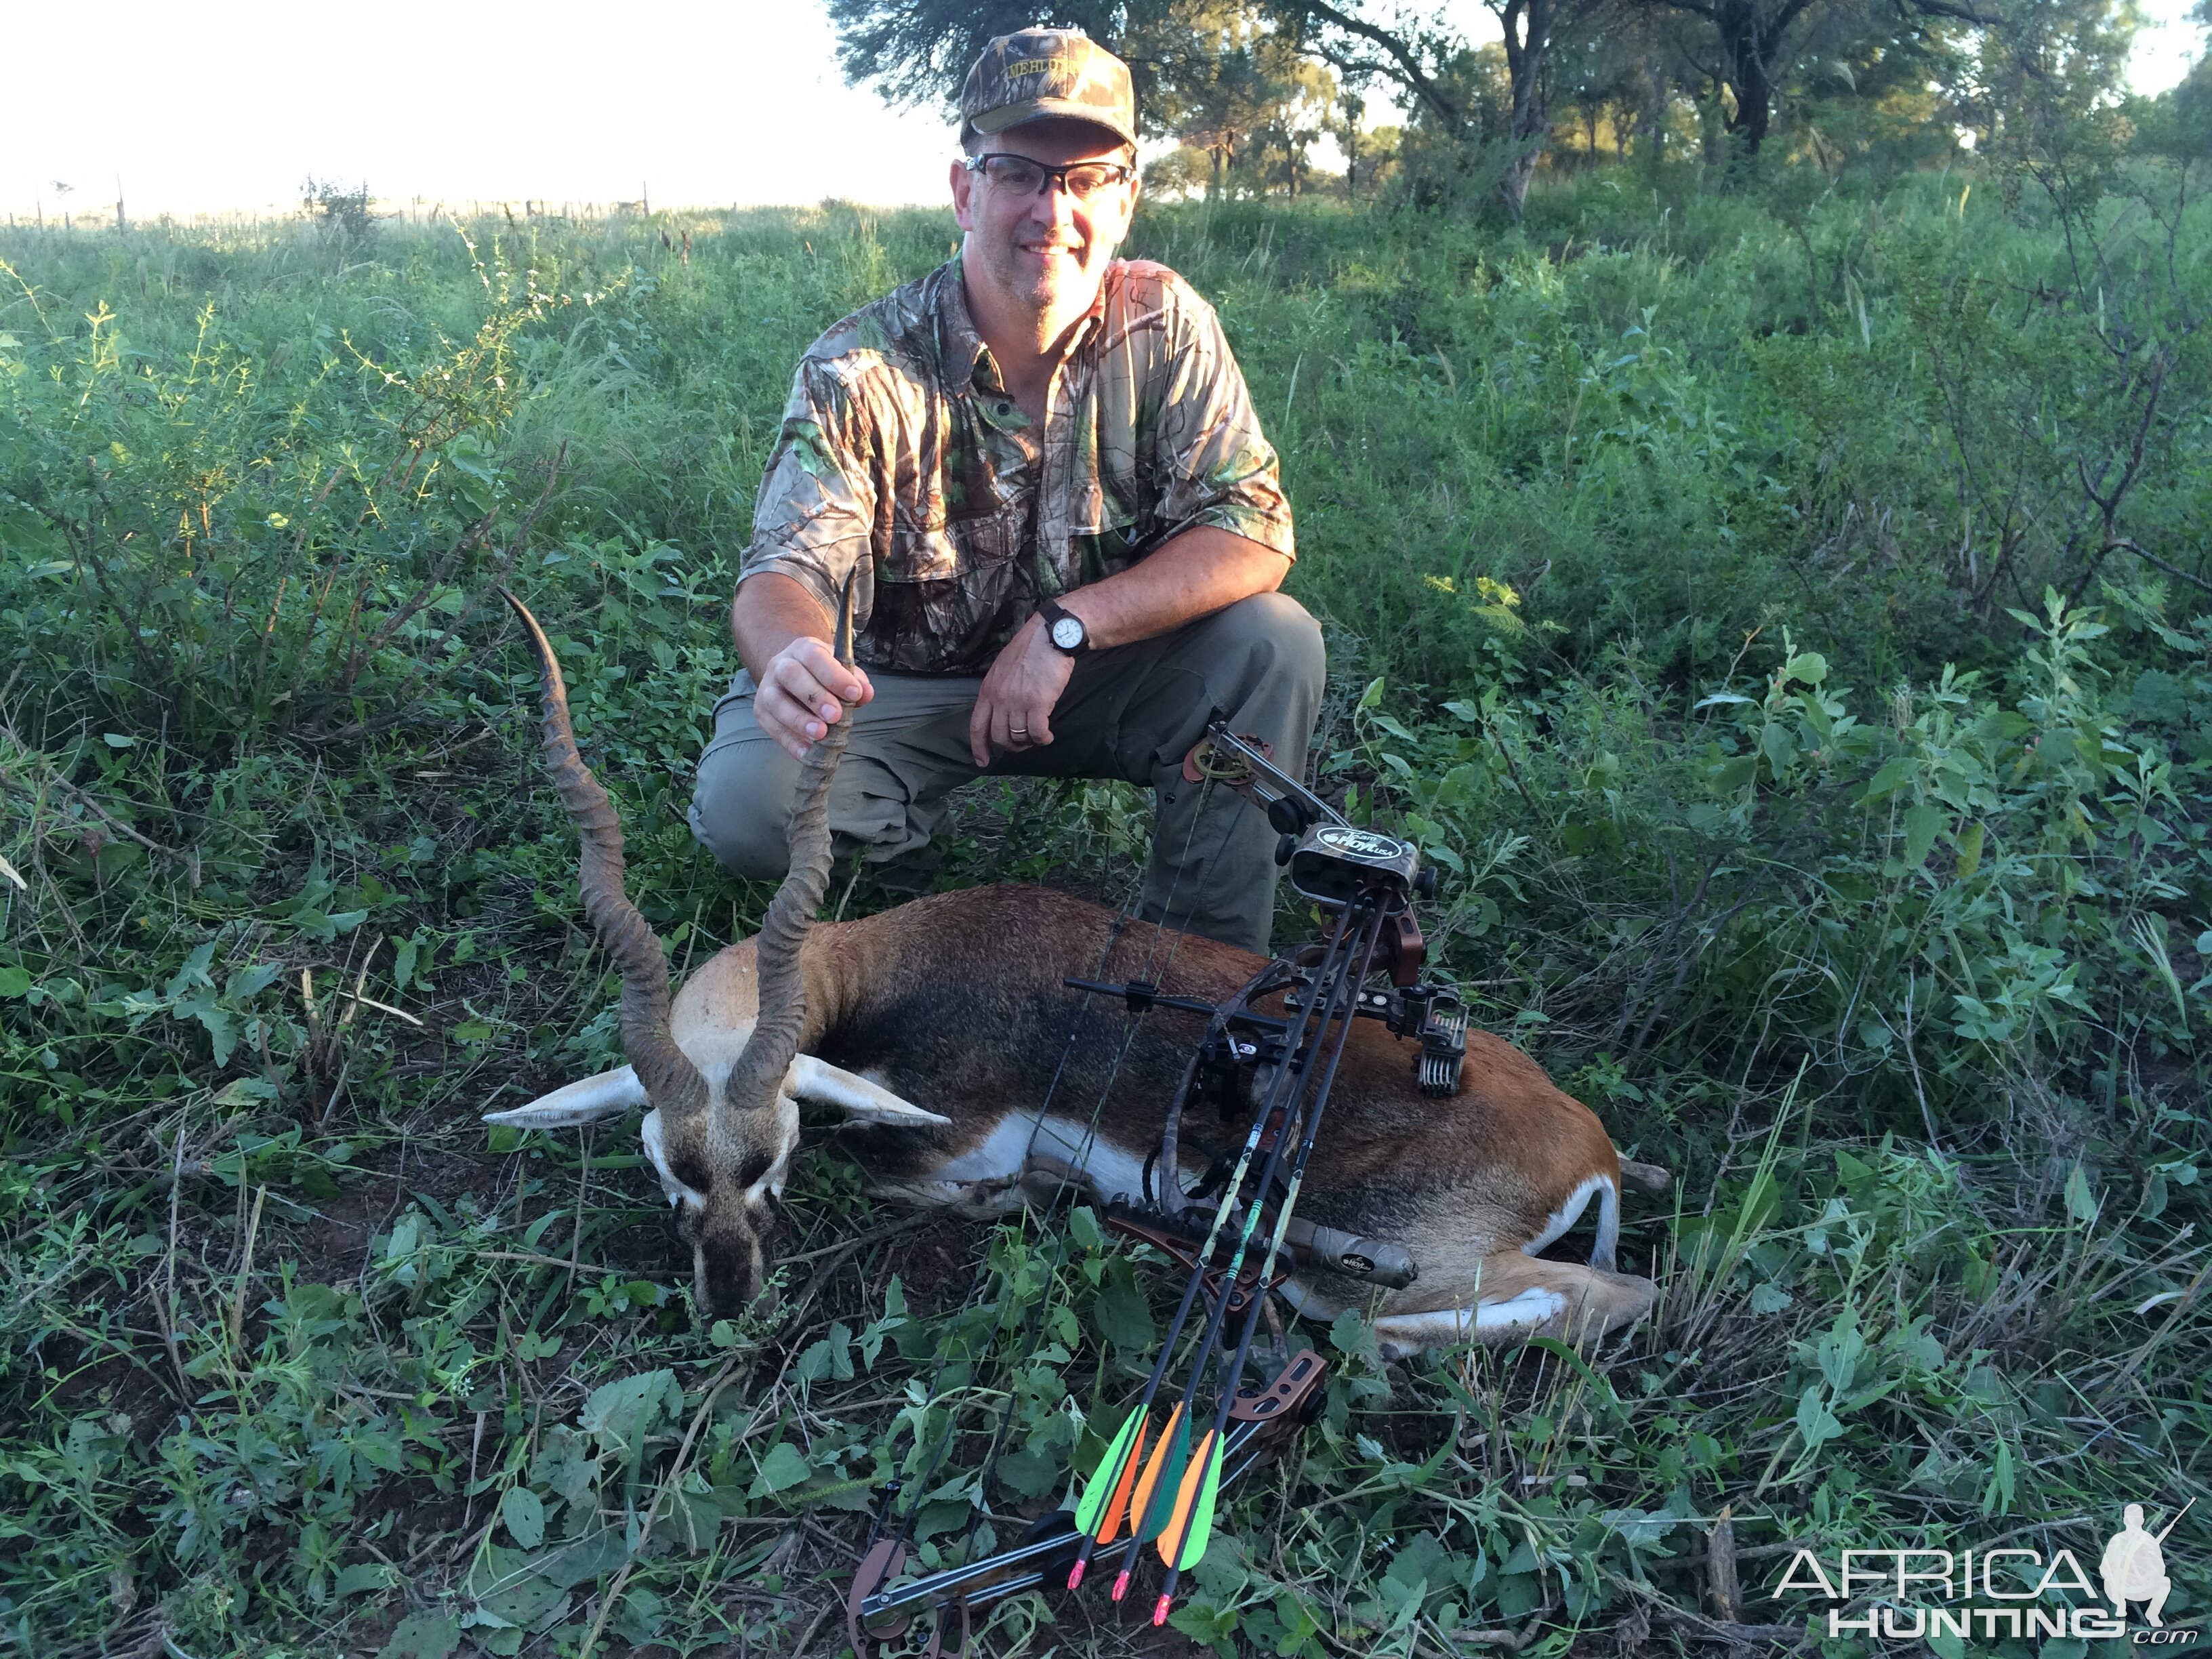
(1683, 561)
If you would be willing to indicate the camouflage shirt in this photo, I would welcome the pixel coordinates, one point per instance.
(901, 451)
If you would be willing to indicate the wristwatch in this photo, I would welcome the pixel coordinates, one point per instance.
(1064, 629)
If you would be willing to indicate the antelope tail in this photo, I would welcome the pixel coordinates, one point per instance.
(672, 1082)
(768, 1052)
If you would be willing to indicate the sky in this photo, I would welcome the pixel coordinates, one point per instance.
(228, 105)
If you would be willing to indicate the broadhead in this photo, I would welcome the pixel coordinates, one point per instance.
(1160, 1613)
(1075, 1577)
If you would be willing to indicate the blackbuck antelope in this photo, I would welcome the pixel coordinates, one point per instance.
(938, 1027)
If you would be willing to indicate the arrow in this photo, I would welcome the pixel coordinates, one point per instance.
(1334, 974)
(1199, 1505)
(1164, 1471)
(1104, 1495)
(1112, 1512)
(1182, 1540)
(1106, 1499)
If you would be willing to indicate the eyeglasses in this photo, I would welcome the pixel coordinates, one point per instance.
(1081, 179)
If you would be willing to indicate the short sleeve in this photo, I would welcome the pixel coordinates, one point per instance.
(1215, 464)
(815, 516)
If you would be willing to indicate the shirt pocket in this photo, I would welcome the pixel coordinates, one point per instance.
(957, 551)
(923, 555)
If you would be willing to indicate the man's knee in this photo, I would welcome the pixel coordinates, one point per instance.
(1277, 635)
(741, 807)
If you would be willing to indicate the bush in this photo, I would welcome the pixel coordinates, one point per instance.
(341, 209)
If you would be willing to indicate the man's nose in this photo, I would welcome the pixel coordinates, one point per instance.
(1054, 204)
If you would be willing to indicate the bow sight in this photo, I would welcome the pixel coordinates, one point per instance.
(1271, 1049)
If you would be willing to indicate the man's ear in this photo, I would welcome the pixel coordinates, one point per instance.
(963, 184)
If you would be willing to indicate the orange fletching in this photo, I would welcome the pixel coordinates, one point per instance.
(1193, 1482)
(1141, 1500)
(1117, 1506)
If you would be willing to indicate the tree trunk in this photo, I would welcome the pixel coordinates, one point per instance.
(1712, 126)
(1651, 116)
(1751, 44)
(1527, 26)
(1754, 101)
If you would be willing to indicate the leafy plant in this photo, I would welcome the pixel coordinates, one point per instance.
(1839, 838)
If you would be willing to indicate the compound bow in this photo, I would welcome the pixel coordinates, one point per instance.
(1365, 882)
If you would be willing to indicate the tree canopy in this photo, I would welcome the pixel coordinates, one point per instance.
(1251, 90)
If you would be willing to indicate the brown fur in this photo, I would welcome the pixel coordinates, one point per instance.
(955, 1002)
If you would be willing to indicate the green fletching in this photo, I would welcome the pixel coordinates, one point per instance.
(1170, 1480)
(1107, 1475)
(1201, 1513)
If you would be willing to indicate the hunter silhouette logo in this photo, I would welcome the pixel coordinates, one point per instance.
(2134, 1565)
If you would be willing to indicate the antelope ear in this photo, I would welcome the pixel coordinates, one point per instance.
(861, 1100)
(657, 1154)
(586, 1101)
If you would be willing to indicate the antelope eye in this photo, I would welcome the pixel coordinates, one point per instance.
(753, 1168)
(692, 1173)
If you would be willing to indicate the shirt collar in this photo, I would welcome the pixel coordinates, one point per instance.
(963, 347)
(964, 350)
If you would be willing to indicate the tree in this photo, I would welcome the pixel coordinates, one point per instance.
(1626, 71)
(342, 209)
(1754, 43)
(1222, 76)
(918, 52)
(1243, 87)
(1223, 72)
(1417, 58)
(2047, 86)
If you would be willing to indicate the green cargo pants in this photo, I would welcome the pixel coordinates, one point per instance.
(1130, 712)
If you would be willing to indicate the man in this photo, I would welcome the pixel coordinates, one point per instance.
(1043, 470)
(2134, 1567)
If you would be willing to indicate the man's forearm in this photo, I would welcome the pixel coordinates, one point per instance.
(1194, 574)
(772, 609)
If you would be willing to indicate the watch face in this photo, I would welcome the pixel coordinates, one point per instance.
(1068, 633)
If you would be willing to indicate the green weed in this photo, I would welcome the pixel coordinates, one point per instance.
(1758, 613)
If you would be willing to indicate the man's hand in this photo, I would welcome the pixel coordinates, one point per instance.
(1013, 711)
(798, 694)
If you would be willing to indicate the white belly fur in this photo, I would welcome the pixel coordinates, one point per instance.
(1002, 1154)
(1556, 1224)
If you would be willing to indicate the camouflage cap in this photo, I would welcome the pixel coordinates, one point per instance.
(1040, 72)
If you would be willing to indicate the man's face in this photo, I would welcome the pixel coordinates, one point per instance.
(1046, 251)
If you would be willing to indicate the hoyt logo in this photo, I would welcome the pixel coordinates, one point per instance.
(2006, 1591)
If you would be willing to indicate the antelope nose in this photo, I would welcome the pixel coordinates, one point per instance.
(727, 1282)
